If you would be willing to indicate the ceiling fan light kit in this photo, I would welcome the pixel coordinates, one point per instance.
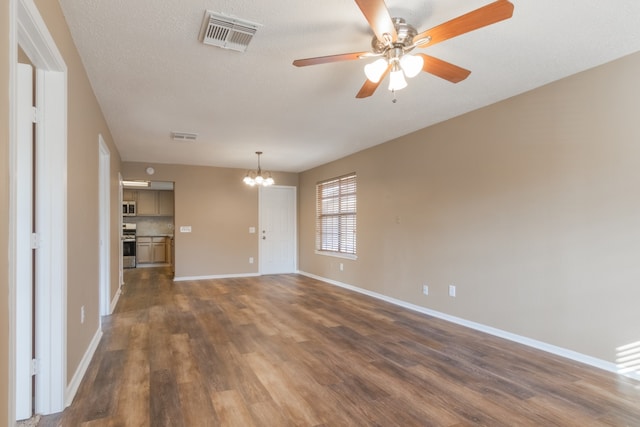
(411, 65)
(375, 70)
(402, 65)
(394, 39)
(396, 78)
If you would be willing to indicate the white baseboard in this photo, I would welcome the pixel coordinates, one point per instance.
(115, 300)
(221, 276)
(152, 265)
(559, 351)
(73, 385)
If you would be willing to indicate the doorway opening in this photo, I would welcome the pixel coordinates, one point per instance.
(148, 224)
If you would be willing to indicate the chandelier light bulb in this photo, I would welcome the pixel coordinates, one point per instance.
(411, 65)
(375, 70)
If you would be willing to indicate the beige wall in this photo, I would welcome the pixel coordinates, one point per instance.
(220, 208)
(529, 206)
(4, 212)
(85, 122)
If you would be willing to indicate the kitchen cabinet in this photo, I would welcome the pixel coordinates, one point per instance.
(147, 203)
(159, 249)
(155, 203)
(167, 252)
(143, 250)
(151, 250)
(165, 203)
(129, 195)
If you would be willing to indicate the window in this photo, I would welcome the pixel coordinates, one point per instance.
(336, 215)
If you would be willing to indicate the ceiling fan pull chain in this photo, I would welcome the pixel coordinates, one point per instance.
(394, 100)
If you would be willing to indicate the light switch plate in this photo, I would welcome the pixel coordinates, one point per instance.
(252, 230)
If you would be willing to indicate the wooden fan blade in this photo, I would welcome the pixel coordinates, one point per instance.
(443, 69)
(369, 87)
(490, 14)
(329, 58)
(379, 18)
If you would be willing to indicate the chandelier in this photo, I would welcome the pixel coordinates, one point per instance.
(257, 177)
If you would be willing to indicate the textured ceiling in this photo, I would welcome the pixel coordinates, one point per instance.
(153, 76)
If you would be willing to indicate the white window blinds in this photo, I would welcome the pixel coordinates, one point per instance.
(336, 215)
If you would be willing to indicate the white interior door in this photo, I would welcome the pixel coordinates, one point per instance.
(24, 256)
(277, 230)
(28, 31)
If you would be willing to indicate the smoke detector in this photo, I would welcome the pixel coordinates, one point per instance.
(227, 32)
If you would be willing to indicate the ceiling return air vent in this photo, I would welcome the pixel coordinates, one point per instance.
(227, 32)
(184, 136)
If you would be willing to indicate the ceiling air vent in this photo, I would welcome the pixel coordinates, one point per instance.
(184, 136)
(227, 32)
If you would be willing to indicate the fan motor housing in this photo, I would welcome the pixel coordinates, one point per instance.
(406, 33)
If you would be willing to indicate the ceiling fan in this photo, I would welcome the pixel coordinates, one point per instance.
(394, 39)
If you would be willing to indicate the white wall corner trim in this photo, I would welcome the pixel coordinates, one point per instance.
(12, 303)
(73, 385)
(559, 351)
(115, 300)
(221, 276)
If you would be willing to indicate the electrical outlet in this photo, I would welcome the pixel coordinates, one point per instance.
(82, 314)
(452, 290)
(425, 289)
(341, 267)
(250, 260)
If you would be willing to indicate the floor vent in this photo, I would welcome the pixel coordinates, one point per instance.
(184, 136)
(227, 32)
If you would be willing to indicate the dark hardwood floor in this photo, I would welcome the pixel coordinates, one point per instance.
(291, 351)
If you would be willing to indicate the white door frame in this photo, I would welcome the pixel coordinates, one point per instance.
(28, 30)
(120, 221)
(261, 192)
(104, 207)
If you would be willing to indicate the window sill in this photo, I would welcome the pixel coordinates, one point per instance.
(337, 254)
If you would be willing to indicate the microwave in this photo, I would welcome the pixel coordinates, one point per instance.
(128, 208)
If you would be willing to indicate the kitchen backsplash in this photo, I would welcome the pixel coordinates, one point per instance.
(152, 226)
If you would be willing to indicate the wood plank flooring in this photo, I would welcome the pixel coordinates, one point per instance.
(291, 351)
